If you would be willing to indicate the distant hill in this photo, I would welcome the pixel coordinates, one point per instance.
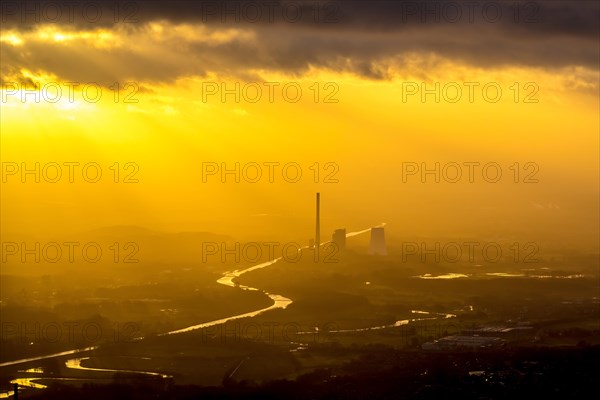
(134, 243)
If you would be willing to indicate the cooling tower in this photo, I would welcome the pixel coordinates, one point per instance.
(377, 245)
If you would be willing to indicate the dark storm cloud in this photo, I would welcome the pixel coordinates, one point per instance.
(559, 17)
(293, 36)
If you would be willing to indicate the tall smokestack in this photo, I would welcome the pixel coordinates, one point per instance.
(318, 227)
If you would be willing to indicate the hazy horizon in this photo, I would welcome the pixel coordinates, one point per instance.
(160, 236)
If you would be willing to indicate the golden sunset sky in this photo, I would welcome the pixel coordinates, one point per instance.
(362, 56)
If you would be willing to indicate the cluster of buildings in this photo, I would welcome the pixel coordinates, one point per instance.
(483, 337)
(457, 342)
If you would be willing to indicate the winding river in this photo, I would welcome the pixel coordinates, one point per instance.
(279, 301)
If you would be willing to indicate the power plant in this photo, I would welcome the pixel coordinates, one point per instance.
(338, 238)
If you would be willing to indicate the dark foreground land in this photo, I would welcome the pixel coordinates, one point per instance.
(362, 328)
(383, 373)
